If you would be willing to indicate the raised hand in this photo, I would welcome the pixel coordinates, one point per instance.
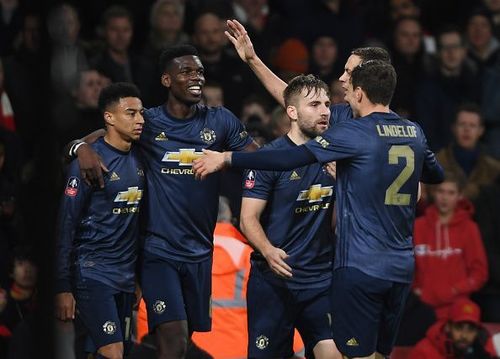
(240, 39)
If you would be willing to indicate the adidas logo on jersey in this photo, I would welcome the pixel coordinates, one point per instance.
(161, 137)
(114, 177)
(294, 176)
(352, 342)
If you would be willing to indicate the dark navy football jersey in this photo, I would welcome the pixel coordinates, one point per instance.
(340, 112)
(380, 160)
(98, 228)
(182, 211)
(298, 219)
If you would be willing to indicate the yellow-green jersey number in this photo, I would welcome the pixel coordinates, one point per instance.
(392, 195)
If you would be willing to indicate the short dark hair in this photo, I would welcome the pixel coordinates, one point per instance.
(114, 92)
(115, 11)
(309, 82)
(174, 52)
(448, 29)
(377, 79)
(469, 107)
(455, 177)
(372, 53)
(21, 253)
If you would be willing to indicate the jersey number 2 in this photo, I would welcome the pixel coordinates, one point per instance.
(392, 195)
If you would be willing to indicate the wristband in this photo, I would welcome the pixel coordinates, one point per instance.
(75, 147)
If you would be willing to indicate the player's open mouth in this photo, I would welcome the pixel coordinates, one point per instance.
(195, 90)
(323, 123)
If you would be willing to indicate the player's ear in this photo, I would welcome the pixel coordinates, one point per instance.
(291, 111)
(166, 80)
(358, 93)
(108, 118)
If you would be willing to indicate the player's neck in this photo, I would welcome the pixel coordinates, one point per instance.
(179, 110)
(114, 140)
(297, 136)
(371, 108)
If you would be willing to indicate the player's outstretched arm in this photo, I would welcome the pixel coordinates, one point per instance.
(277, 160)
(238, 36)
(251, 210)
(91, 164)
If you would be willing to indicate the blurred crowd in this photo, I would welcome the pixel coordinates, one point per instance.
(56, 57)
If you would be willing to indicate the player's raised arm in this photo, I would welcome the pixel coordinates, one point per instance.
(238, 36)
(91, 164)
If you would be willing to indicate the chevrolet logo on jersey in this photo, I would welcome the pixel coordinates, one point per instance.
(184, 157)
(315, 193)
(132, 196)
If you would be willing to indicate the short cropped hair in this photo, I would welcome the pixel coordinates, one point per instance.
(115, 11)
(116, 91)
(377, 79)
(456, 178)
(469, 107)
(372, 53)
(174, 52)
(308, 82)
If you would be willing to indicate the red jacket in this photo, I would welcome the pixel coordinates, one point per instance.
(450, 258)
(436, 345)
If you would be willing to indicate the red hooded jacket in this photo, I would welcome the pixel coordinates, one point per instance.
(450, 258)
(436, 345)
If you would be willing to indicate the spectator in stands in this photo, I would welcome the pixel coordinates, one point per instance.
(6, 111)
(488, 218)
(280, 123)
(79, 115)
(493, 11)
(451, 82)
(11, 20)
(115, 62)
(460, 336)
(213, 94)
(256, 106)
(483, 47)
(291, 59)
(25, 80)
(167, 21)
(264, 28)
(450, 262)
(465, 157)
(68, 57)
(411, 62)
(21, 294)
(220, 65)
(324, 59)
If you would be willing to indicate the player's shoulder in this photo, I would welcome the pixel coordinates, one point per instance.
(154, 112)
(339, 113)
(218, 112)
(280, 142)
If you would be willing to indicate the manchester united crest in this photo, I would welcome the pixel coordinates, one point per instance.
(208, 136)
